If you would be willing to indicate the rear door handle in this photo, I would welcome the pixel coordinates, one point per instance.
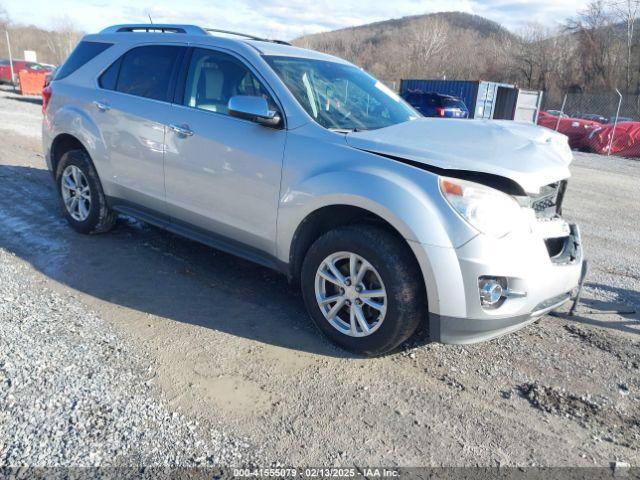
(103, 107)
(182, 130)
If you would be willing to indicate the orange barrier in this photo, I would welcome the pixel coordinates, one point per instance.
(31, 83)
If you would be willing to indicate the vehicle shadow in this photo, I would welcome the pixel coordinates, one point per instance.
(152, 271)
(618, 315)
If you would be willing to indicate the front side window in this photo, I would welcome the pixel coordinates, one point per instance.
(340, 96)
(215, 77)
(146, 71)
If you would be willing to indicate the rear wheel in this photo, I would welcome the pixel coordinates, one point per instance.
(81, 196)
(363, 289)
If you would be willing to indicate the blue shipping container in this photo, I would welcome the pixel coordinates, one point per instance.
(479, 96)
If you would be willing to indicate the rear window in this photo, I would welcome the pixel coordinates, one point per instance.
(146, 71)
(422, 100)
(84, 52)
(453, 103)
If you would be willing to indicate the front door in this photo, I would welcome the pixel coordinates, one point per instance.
(222, 174)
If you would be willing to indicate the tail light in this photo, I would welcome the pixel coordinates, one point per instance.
(46, 96)
(439, 111)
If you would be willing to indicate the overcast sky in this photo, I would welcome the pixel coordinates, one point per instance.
(284, 19)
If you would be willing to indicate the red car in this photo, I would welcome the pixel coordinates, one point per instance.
(625, 142)
(577, 129)
(18, 65)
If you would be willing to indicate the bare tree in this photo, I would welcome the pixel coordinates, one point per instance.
(527, 52)
(594, 29)
(425, 40)
(4, 29)
(62, 40)
(4, 17)
(627, 11)
(589, 52)
(543, 57)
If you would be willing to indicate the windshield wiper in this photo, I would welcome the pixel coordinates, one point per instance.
(347, 130)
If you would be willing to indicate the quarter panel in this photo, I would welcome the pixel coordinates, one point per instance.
(67, 114)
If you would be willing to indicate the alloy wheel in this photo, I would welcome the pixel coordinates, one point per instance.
(76, 193)
(350, 294)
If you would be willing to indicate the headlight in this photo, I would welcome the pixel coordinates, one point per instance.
(486, 209)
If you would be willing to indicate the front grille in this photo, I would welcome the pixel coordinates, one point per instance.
(565, 250)
(548, 203)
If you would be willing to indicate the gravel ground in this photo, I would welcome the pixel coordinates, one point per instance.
(20, 114)
(73, 391)
(604, 198)
(146, 330)
(74, 394)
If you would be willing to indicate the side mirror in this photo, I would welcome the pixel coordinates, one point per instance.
(254, 109)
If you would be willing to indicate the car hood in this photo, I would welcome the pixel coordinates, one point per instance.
(529, 155)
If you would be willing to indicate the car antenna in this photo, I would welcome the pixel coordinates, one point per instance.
(149, 15)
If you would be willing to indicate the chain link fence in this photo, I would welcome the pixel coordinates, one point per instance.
(607, 123)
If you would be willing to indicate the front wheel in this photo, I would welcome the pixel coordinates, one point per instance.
(363, 289)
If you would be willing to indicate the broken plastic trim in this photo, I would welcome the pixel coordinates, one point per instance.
(503, 184)
(560, 197)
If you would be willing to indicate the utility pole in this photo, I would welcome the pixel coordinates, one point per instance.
(13, 80)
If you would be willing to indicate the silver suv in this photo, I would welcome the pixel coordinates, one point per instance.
(304, 163)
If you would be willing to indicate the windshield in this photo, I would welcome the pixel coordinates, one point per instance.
(339, 96)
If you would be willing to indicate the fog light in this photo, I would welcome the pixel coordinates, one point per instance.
(492, 291)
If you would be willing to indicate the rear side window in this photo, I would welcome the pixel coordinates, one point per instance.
(414, 99)
(428, 100)
(147, 71)
(84, 52)
(109, 79)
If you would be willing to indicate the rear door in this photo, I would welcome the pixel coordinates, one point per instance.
(223, 175)
(131, 110)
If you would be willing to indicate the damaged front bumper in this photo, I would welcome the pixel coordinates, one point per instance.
(545, 274)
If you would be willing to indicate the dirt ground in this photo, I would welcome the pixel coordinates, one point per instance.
(229, 343)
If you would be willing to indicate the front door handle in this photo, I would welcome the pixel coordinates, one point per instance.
(182, 130)
(103, 107)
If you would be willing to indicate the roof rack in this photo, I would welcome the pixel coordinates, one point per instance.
(250, 37)
(187, 29)
(155, 28)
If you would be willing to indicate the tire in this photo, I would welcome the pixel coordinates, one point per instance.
(96, 217)
(405, 304)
